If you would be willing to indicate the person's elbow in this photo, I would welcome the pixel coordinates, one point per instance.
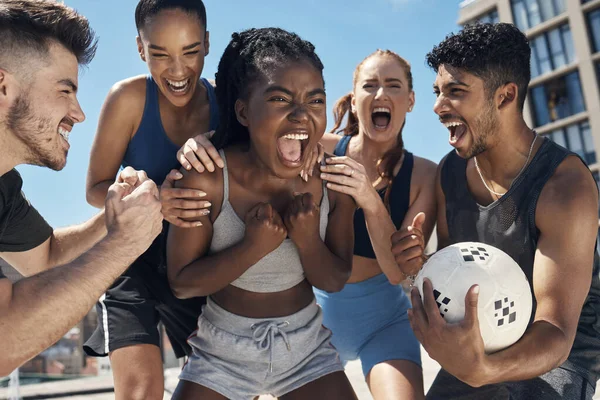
(94, 197)
(179, 289)
(564, 351)
(10, 361)
(334, 286)
(335, 282)
(7, 366)
(183, 289)
(182, 292)
(396, 278)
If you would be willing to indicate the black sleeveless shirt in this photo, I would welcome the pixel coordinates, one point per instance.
(399, 201)
(509, 224)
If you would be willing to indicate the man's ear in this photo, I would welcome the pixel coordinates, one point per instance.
(9, 89)
(241, 112)
(507, 95)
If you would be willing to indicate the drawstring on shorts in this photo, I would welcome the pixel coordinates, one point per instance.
(264, 334)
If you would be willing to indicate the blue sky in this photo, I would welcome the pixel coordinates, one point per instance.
(343, 32)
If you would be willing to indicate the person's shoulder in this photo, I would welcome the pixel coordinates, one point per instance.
(11, 176)
(449, 161)
(200, 180)
(571, 188)
(423, 167)
(571, 176)
(130, 89)
(126, 100)
(11, 181)
(329, 141)
(333, 196)
(209, 182)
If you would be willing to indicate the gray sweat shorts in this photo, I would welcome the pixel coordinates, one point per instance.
(242, 357)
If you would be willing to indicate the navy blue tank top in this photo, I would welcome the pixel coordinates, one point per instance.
(151, 149)
(509, 224)
(399, 201)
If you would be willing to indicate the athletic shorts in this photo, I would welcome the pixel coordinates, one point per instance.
(129, 312)
(558, 384)
(369, 321)
(242, 357)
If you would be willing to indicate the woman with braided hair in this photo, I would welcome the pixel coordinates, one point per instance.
(392, 189)
(270, 237)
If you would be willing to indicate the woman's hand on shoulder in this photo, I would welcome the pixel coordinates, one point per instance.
(348, 176)
(183, 203)
(199, 153)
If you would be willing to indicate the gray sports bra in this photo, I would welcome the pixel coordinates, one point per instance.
(279, 270)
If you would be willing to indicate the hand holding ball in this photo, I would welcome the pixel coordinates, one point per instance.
(505, 300)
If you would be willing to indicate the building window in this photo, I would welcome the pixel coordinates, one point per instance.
(487, 18)
(551, 50)
(557, 99)
(578, 139)
(529, 13)
(594, 27)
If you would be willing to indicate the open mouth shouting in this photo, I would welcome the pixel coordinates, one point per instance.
(178, 87)
(291, 146)
(64, 133)
(64, 130)
(381, 117)
(457, 132)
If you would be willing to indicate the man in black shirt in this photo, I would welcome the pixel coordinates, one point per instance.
(508, 187)
(42, 45)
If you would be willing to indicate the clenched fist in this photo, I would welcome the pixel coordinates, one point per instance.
(264, 228)
(408, 247)
(302, 219)
(133, 215)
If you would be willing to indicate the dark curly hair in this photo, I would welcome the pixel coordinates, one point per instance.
(250, 55)
(27, 28)
(147, 9)
(496, 53)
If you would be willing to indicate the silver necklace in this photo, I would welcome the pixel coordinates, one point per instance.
(519, 174)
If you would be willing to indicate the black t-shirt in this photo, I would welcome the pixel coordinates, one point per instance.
(22, 228)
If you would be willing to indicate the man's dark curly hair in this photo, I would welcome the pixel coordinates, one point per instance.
(496, 53)
(250, 55)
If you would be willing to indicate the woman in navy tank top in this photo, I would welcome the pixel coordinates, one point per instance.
(391, 187)
(144, 122)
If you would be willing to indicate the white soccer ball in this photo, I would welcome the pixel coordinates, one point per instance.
(505, 301)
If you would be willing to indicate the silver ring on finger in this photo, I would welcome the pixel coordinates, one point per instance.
(351, 171)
